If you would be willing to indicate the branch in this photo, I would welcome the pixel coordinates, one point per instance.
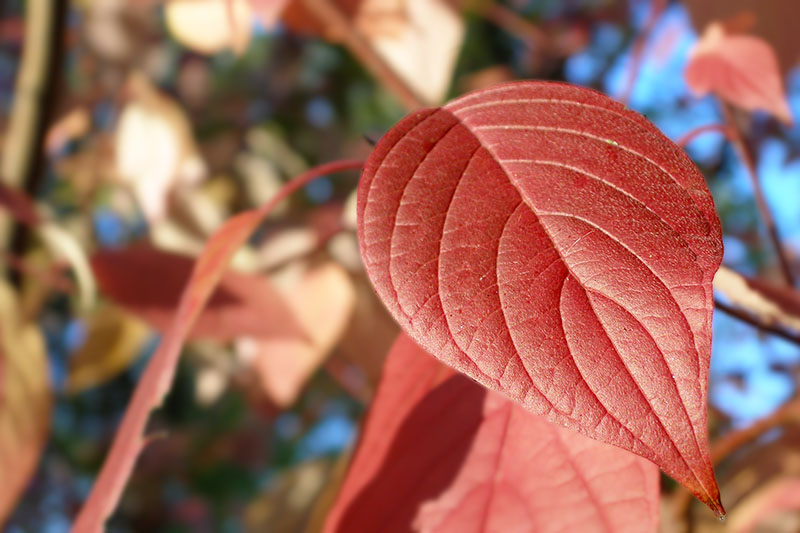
(693, 134)
(515, 25)
(35, 94)
(747, 158)
(637, 54)
(747, 318)
(332, 16)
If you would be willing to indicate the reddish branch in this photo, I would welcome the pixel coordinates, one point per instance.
(637, 54)
(692, 135)
(747, 158)
(332, 16)
(517, 26)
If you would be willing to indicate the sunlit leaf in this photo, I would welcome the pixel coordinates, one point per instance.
(154, 148)
(439, 453)
(555, 247)
(210, 26)
(419, 39)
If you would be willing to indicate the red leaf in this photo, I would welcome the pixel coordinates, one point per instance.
(741, 69)
(440, 453)
(148, 283)
(157, 378)
(557, 248)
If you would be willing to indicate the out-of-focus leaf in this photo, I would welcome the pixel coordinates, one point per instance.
(772, 304)
(419, 39)
(157, 378)
(65, 246)
(286, 245)
(741, 69)
(775, 21)
(210, 26)
(322, 299)
(777, 496)
(154, 147)
(284, 508)
(369, 335)
(25, 401)
(148, 283)
(113, 340)
(439, 453)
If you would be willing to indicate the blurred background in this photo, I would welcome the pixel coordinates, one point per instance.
(137, 128)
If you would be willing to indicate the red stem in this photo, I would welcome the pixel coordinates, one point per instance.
(749, 162)
(637, 54)
(693, 134)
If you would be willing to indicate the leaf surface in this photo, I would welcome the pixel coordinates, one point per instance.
(439, 453)
(25, 401)
(557, 248)
(148, 282)
(741, 69)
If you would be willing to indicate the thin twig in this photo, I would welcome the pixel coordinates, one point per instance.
(514, 24)
(725, 446)
(637, 54)
(753, 321)
(747, 158)
(693, 134)
(331, 15)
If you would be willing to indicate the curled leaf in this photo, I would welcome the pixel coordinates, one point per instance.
(557, 248)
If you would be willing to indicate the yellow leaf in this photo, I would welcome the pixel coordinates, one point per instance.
(25, 401)
(113, 341)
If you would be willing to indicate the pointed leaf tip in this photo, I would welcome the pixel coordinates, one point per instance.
(557, 248)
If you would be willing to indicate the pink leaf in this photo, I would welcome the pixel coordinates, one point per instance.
(741, 69)
(157, 377)
(555, 247)
(779, 495)
(148, 283)
(439, 454)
